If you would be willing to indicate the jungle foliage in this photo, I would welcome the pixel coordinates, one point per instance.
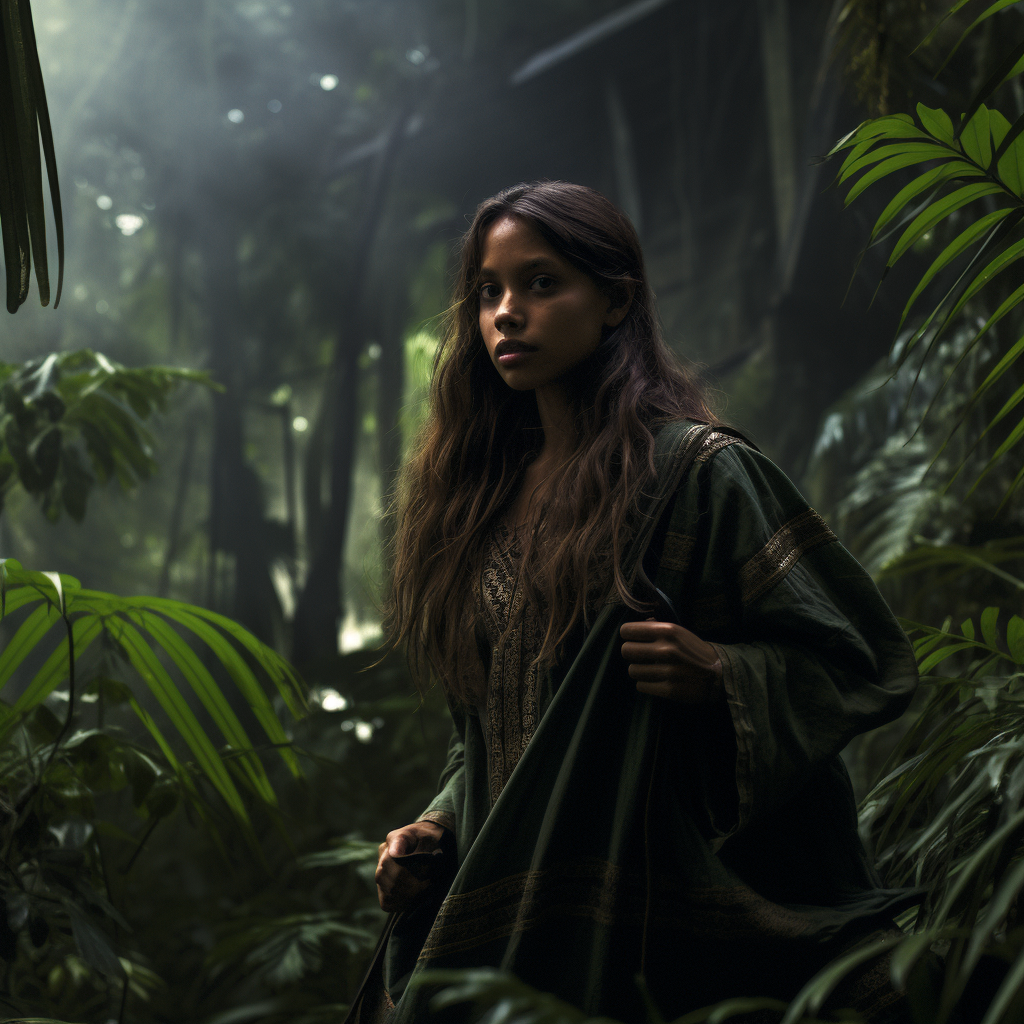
(70, 420)
(54, 767)
(187, 832)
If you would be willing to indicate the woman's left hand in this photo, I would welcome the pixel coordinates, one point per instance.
(669, 661)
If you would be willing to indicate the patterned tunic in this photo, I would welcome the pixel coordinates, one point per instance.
(509, 633)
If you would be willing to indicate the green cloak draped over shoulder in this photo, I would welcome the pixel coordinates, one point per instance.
(714, 851)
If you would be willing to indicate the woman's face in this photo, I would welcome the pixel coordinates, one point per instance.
(539, 315)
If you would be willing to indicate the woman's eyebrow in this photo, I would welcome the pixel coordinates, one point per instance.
(537, 263)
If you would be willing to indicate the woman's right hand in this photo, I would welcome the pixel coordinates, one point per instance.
(397, 887)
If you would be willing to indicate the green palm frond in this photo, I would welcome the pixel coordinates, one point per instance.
(948, 813)
(71, 419)
(977, 162)
(990, 11)
(24, 123)
(955, 558)
(153, 634)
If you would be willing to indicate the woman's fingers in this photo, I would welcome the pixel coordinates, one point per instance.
(649, 629)
(652, 671)
(658, 650)
(397, 887)
(667, 660)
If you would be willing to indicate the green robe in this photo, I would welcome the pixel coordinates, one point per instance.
(714, 851)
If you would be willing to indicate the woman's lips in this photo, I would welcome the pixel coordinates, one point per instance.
(514, 357)
(510, 353)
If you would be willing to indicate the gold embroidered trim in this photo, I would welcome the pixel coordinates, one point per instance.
(444, 818)
(715, 442)
(675, 555)
(588, 889)
(601, 892)
(781, 553)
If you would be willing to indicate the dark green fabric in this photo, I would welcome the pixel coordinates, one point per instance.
(713, 850)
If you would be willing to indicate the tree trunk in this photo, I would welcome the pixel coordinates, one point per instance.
(778, 95)
(319, 607)
(627, 185)
(236, 501)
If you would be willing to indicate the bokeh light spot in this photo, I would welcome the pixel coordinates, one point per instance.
(331, 700)
(104, 202)
(235, 116)
(274, 106)
(102, 306)
(300, 423)
(128, 223)
(364, 732)
(329, 82)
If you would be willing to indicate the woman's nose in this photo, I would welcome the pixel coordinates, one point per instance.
(508, 312)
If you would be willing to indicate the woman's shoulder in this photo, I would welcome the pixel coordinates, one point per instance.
(727, 464)
(699, 439)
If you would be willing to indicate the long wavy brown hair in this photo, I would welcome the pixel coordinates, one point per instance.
(468, 462)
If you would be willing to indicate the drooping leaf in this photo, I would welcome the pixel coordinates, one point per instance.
(1004, 259)
(25, 640)
(24, 122)
(213, 699)
(55, 670)
(162, 687)
(960, 244)
(882, 170)
(922, 150)
(239, 671)
(931, 179)
(937, 212)
(892, 124)
(995, 8)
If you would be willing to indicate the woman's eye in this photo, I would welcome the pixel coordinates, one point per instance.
(543, 283)
(488, 291)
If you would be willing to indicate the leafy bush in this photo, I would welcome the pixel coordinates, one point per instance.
(72, 419)
(66, 945)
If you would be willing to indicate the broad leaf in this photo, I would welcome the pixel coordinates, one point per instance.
(936, 122)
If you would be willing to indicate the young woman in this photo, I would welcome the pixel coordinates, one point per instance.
(652, 650)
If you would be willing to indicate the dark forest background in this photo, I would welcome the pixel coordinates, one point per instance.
(271, 194)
